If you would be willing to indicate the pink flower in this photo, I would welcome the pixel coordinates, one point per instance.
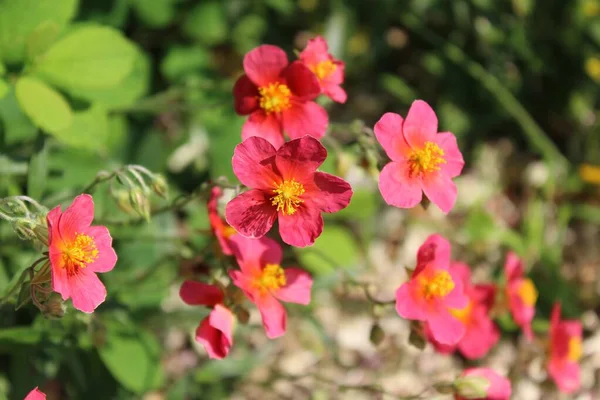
(521, 293)
(215, 332)
(565, 352)
(266, 283)
(77, 251)
(490, 385)
(481, 334)
(285, 186)
(219, 227)
(329, 71)
(433, 291)
(35, 394)
(277, 96)
(423, 160)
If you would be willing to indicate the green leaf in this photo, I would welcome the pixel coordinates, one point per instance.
(90, 57)
(4, 88)
(43, 105)
(2, 69)
(132, 355)
(335, 248)
(180, 61)
(363, 205)
(207, 23)
(285, 7)
(89, 130)
(38, 171)
(156, 13)
(17, 127)
(40, 40)
(19, 18)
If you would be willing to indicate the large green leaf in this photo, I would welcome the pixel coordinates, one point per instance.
(37, 173)
(19, 18)
(132, 355)
(46, 107)
(207, 23)
(90, 57)
(89, 130)
(17, 127)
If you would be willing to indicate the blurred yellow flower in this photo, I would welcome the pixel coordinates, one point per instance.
(590, 173)
(592, 67)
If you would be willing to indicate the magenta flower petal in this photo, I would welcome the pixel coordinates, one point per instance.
(86, 290)
(388, 131)
(513, 266)
(441, 190)
(264, 64)
(297, 288)
(420, 125)
(251, 254)
(305, 118)
(299, 159)
(454, 159)
(335, 92)
(107, 257)
(334, 193)
(251, 214)
(407, 305)
(215, 332)
(198, 293)
(302, 228)
(245, 94)
(435, 252)
(301, 81)
(273, 315)
(254, 163)
(445, 328)
(266, 126)
(35, 394)
(498, 388)
(397, 188)
(78, 216)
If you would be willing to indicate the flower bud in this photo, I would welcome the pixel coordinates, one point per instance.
(54, 307)
(41, 232)
(482, 383)
(24, 228)
(444, 387)
(159, 186)
(471, 387)
(140, 203)
(377, 334)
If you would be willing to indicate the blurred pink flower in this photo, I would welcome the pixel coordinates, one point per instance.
(77, 251)
(285, 186)
(481, 334)
(521, 293)
(423, 160)
(329, 71)
(215, 332)
(433, 291)
(495, 387)
(35, 394)
(565, 352)
(278, 96)
(266, 283)
(219, 227)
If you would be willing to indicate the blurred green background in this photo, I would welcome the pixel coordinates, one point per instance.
(92, 85)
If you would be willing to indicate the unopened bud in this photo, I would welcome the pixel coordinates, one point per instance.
(41, 232)
(140, 203)
(54, 307)
(242, 315)
(471, 387)
(377, 334)
(159, 186)
(24, 228)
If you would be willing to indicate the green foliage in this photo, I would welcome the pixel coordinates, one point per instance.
(46, 107)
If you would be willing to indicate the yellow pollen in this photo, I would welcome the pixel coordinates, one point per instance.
(272, 277)
(528, 292)
(275, 97)
(574, 349)
(463, 314)
(426, 160)
(438, 285)
(79, 253)
(323, 69)
(287, 196)
(227, 231)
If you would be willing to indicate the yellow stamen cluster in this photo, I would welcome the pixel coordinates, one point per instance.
(425, 160)
(528, 292)
(323, 69)
(79, 253)
(271, 278)
(575, 350)
(287, 196)
(437, 285)
(275, 97)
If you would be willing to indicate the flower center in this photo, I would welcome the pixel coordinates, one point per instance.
(79, 253)
(323, 69)
(437, 285)
(425, 160)
(463, 314)
(271, 278)
(574, 349)
(275, 97)
(527, 292)
(287, 196)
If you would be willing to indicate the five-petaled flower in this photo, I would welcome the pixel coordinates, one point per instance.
(35, 394)
(266, 283)
(481, 334)
(329, 71)
(215, 332)
(423, 160)
(219, 227)
(482, 384)
(285, 186)
(521, 293)
(77, 251)
(278, 96)
(433, 292)
(565, 352)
